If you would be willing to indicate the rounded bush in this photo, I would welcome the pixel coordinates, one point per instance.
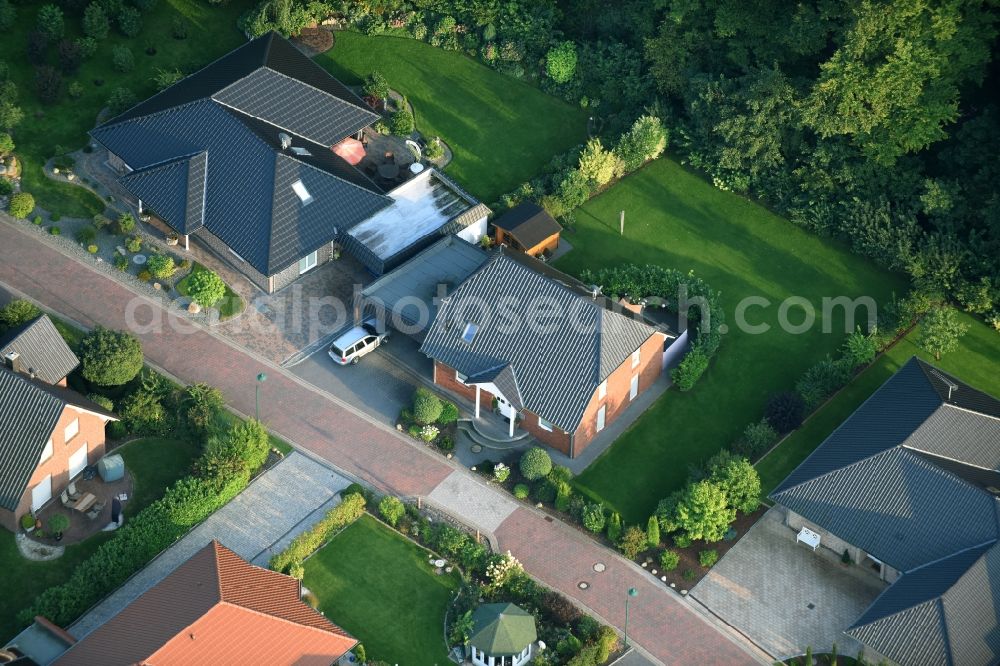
(160, 266)
(17, 312)
(521, 491)
(121, 263)
(55, 231)
(391, 509)
(109, 358)
(401, 123)
(206, 288)
(593, 517)
(21, 205)
(126, 223)
(427, 407)
(535, 463)
(707, 558)
(37, 220)
(133, 244)
(92, 248)
(785, 411)
(449, 414)
(86, 235)
(669, 559)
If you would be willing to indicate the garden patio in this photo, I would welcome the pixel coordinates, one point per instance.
(88, 512)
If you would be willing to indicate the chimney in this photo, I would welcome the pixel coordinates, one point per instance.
(13, 361)
(286, 140)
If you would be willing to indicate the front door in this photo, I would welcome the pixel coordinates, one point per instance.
(633, 390)
(41, 493)
(506, 409)
(78, 461)
(600, 418)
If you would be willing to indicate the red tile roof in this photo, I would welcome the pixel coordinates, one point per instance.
(215, 609)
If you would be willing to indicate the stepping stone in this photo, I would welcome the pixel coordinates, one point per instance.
(120, 250)
(476, 448)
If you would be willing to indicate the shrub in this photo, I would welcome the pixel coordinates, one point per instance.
(115, 430)
(690, 369)
(100, 222)
(121, 263)
(164, 78)
(598, 165)
(17, 312)
(6, 187)
(37, 220)
(54, 231)
(21, 205)
(703, 511)
(75, 90)
(560, 62)
(48, 84)
(93, 249)
(535, 463)
(682, 541)
(86, 235)
(593, 517)
(613, 527)
(130, 21)
(521, 491)
(757, 438)
(821, 380)
(653, 532)
(708, 558)
(7, 15)
(134, 244)
(449, 413)
(201, 405)
(50, 22)
(561, 609)
(669, 559)
(70, 56)
(206, 288)
(391, 509)
(87, 47)
(122, 58)
(95, 21)
(376, 85)
(738, 479)
(236, 453)
(121, 100)
(646, 140)
(429, 433)
(860, 349)
(784, 411)
(144, 275)
(109, 358)
(160, 266)
(501, 472)
(350, 509)
(689, 574)
(446, 443)
(563, 494)
(55, 217)
(434, 151)
(632, 542)
(401, 123)
(58, 523)
(427, 407)
(142, 411)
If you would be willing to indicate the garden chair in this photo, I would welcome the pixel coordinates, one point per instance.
(74, 494)
(66, 501)
(96, 510)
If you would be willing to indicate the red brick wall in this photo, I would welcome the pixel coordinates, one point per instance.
(91, 432)
(556, 438)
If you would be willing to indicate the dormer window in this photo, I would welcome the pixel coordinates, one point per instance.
(470, 332)
(299, 150)
(302, 193)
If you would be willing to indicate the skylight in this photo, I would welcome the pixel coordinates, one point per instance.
(299, 150)
(302, 192)
(470, 332)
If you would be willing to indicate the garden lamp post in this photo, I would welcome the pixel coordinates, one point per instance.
(260, 380)
(632, 592)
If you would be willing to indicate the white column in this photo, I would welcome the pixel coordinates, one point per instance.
(513, 419)
(186, 248)
(140, 206)
(477, 401)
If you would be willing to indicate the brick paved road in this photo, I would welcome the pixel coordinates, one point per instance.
(358, 445)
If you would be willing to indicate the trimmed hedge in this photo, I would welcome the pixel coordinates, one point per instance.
(351, 508)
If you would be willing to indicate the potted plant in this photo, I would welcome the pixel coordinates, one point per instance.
(57, 524)
(172, 239)
(28, 523)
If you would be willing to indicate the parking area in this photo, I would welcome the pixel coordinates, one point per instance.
(785, 597)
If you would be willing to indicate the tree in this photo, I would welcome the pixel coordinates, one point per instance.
(21, 205)
(58, 524)
(737, 478)
(598, 165)
(376, 85)
(10, 114)
(6, 144)
(130, 21)
(7, 15)
(703, 511)
(646, 140)
(17, 312)
(48, 84)
(50, 22)
(206, 288)
(201, 404)
(653, 532)
(95, 21)
(785, 411)
(122, 58)
(427, 407)
(70, 56)
(110, 358)
(632, 542)
(940, 331)
(286, 17)
(560, 62)
(535, 463)
(391, 509)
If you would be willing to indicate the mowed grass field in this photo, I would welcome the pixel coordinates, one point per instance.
(502, 131)
(674, 218)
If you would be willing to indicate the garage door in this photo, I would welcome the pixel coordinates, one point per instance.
(41, 493)
(78, 461)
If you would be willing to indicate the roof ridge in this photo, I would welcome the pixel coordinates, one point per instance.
(843, 467)
(326, 632)
(969, 411)
(216, 551)
(960, 551)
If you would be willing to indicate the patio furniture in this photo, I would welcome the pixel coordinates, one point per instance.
(96, 510)
(66, 501)
(84, 502)
(416, 168)
(808, 537)
(74, 494)
(388, 170)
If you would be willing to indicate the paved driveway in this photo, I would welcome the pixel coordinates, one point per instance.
(785, 597)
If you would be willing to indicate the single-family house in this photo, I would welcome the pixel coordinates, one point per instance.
(215, 608)
(909, 488)
(244, 156)
(551, 354)
(48, 433)
(529, 228)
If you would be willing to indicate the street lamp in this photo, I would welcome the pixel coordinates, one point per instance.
(260, 380)
(632, 592)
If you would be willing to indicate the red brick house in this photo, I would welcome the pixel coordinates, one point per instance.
(215, 608)
(48, 433)
(552, 356)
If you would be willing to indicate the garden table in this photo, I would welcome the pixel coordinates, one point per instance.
(84, 502)
(389, 170)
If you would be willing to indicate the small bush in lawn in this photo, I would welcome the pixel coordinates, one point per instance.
(669, 559)
(160, 266)
(134, 244)
(121, 263)
(86, 235)
(449, 413)
(109, 358)
(126, 223)
(122, 58)
(521, 491)
(121, 100)
(757, 438)
(17, 312)
(130, 21)
(21, 205)
(707, 558)
(93, 249)
(535, 463)
(632, 542)
(391, 509)
(206, 288)
(785, 411)
(593, 517)
(427, 407)
(55, 231)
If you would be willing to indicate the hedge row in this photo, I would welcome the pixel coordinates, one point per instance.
(351, 507)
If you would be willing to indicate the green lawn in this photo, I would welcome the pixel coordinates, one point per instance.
(977, 363)
(368, 579)
(155, 463)
(502, 131)
(232, 304)
(211, 33)
(674, 218)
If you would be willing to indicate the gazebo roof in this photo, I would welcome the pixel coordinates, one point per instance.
(502, 629)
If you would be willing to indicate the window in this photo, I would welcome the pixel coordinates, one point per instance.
(71, 430)
(600, 418)
(299, 150)
(302, 193)
(635, 358)
(544, 425)
(47, 451)
(470, 332)
(602, 390)
(633, 389)
(308, 262)
(460, 378)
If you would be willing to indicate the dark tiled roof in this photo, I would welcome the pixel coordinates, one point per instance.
(201, 160)
(557, 365)
(502, 629)
(529, 223)
(214, 593)
(41, 349)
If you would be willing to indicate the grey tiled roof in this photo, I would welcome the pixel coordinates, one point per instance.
(41, 349)
(27, 417)
(557, 365)
(207, 152)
